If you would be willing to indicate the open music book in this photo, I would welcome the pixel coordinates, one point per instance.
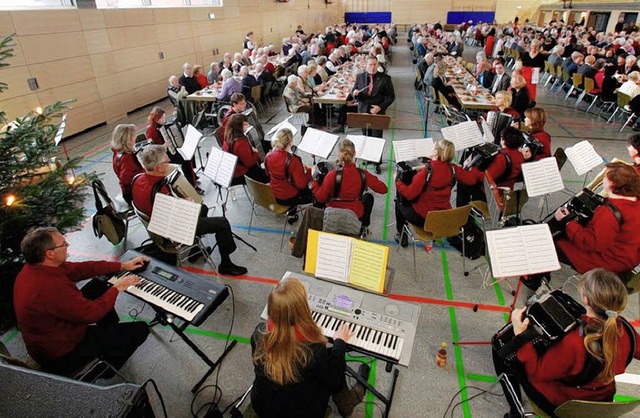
(583, 157)
(411, 149)
(368, 148)
(522, 250)
(463, 135)
(191, 140)
(542, 177)
(347, 260)
(317, 142)
(285, 124)
(174, 218)
(220, 166)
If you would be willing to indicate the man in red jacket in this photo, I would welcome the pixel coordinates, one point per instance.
(62, 326)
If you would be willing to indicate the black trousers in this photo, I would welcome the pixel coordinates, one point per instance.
(406, 214)
(107, 340)
(367, 202)
(256, 173)
(303, 197)
(219, 226)
(187, 168)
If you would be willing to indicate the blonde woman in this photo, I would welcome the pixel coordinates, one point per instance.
(125, 163)
(295, 372)
(503, 103)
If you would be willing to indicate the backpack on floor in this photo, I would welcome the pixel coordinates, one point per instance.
(106, 221)
(474, 241)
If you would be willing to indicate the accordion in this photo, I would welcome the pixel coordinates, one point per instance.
(322, 168)
(552, 316)
(581, 208)
(181, 188)
(481, 155)
(532, 144)
(405, 170)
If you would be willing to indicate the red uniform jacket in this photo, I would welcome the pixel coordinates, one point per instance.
(603, 242)
(225, 120)
(52, 313)
(247, 157)
(142, 189)
(438, 193)
(154, 134)
(545, 139)
(286, 184)
(499, 165)
(349, 196)
(125, 167)
(565, 360)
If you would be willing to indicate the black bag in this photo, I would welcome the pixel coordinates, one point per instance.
(474, 241)
(106, 220)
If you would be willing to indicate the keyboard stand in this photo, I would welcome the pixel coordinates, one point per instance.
(385, 400)
(163, 319)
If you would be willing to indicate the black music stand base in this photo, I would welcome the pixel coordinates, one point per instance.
(161, 318)
(386, 400)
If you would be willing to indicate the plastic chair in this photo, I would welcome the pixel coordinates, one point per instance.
(438, 224)
(256, 97)
(576, 80)
(262, 195)
(623, 100)
(589, 86)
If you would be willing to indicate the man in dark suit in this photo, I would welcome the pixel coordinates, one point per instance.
(501, 80)
(187, 80)
(374, 92)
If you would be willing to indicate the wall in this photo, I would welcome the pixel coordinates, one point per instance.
(109, 59)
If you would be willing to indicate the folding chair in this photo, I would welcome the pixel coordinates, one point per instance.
(256, 97)
(622, 101)
(589, 86)
(575, 86)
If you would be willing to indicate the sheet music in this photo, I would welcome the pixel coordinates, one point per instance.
(285, 124)
(317, 142)
(488, 135)
(63, 124)
(535, 75)
(191, 140)
(583, 157)
(333, 258)
(174, 218)
(411, 149)
(542, 177)
(522, 250)
(220, 166)
(368, 265)
(491, 118)
(368, 148)
(463, 135)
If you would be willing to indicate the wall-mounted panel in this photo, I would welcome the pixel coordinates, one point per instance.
(45, 48)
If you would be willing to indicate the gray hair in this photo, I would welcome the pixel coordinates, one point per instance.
(292, 79)
(151, 156)
(36, 243)
(226, 73)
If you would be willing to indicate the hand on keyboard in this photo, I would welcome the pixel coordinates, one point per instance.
(125, 282)
(343, 333)
(136, 264)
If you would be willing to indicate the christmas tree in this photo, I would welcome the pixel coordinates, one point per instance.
(37, 186)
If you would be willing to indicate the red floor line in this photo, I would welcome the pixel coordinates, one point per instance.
(457, 304)
(95, 149)
(245, 277)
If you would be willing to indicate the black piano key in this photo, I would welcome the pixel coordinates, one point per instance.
(379, 337)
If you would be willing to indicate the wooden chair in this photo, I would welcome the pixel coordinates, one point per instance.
(437, 225)
(262, 195)
(589, 87)
(588, 409)
(256, 97)
(551, 71)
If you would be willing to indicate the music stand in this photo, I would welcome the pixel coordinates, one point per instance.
(369, 122)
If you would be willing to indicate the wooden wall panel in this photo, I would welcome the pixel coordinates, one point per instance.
(109, 85)
(103, 64)
(6, 23)
(52, 47)
(16, 78)
(162, 16)
(85, 92)
(115, 18)
(81, 117)
(129, 58)
(91, 19)
(35, 22)
(19, 106)
(125, 38)
(97, 41)
(172, 31)
(59, 73)
(114, 107)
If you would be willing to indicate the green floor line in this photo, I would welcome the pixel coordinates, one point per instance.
(482, 377)
(421, 111)
(11, 335)
(387, 203)
(622, 398)
(455, 337)
(196, 331)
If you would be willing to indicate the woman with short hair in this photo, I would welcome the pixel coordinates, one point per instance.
(535, 119)
(236, 142)
(125, 163)
(289, 177)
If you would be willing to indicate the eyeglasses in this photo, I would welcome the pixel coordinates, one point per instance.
(65, 244)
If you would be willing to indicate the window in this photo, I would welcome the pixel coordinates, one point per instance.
(34, 4)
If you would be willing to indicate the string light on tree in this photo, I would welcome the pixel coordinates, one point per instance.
(10, 200)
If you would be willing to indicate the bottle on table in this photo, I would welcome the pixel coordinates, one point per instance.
(441, 356)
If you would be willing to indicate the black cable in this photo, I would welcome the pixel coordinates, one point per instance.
(134, 313)
(155, 387)
(482, 391)
(206, 404)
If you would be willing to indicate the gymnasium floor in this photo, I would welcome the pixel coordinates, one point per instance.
(445, 296)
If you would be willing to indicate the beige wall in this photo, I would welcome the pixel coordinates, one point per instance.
(109, 59)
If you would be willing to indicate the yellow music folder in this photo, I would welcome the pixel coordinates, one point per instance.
(346, 259)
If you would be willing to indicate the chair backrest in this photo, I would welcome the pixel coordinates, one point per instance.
(577, 80)
(442, 99)
(565, 76)
(469, 66)
(173, 97)
(561, 157)
(547, 66)
(589, 409)
(589, 84)
(623, 99)
(263, 196)
(514, 202)
(446, 223)
(552, 68)
(288, 105)
(256, 93)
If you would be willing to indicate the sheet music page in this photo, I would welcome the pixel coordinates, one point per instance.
(369, 265)
(583, 157)
(368, 148)
(285, 124)
(191, 140)
(491, 118)
(542, 177)
(220, 167)
(213, 163)
(334, 256)
(535, 75)
(359, 141)
(522, 250)
(488, 135)
(410, 149)
(174, 218)
(463, 135)
(317, 142)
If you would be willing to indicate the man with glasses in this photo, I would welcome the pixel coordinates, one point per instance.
(64, 327)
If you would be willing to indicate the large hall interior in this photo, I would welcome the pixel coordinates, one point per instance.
(115, 59)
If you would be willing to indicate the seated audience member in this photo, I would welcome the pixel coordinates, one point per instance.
(227, 62)
(609, 84)
(503, 104)
(214, 73)
(598, 77)
(349, 192)
(430, 188)
(238, 144)
(485, 75)
(248, 81)
(521, 99)
(297, 100)
(289, 177)
(174, 85)
(534, 119)
(125, 163)
(229, 86)
(501, 80)
(246, 57)
(294, 57)
(583, 364)
(555, 58)
(64, 328)
(155, 120)
(200, 77)
(633, 146)
(587, 69)
(155, 161)
(263, 76)
(630, 64)
(321, 61)
(295, 372)
(237, 63)
(631, 87)
(187, 80)
(440, 85)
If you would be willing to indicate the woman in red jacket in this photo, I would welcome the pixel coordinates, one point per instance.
(534, 119)
(289, 177)
(432, 194)
(582, 365)
(349, 193)
(156, 119)
(125, 163)
(236, 143)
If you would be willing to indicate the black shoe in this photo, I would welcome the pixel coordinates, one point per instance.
(291, 219)
(232, 270)
(404, 243)
(363, 371)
